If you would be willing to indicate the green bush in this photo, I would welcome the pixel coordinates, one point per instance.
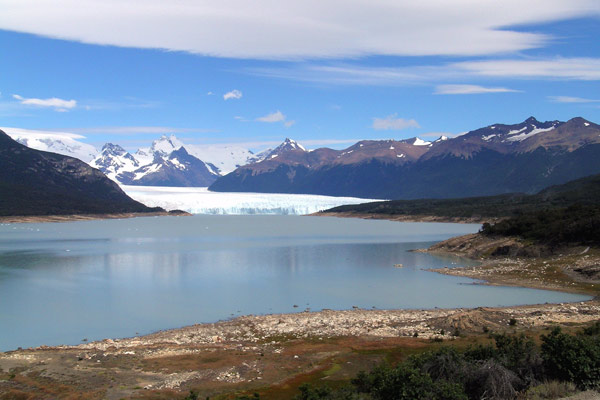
(406, 383)
(505, 370)
(572, 358)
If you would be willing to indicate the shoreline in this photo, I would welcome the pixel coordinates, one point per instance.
(86, 217)
(405, 218)
(329, 323)
(268, 353)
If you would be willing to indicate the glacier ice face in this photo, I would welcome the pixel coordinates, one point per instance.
(201, 201)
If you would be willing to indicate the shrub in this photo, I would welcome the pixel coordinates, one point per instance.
(491, 380)
(551, 390)
(519, 354)
(572, 358)
(406, 383)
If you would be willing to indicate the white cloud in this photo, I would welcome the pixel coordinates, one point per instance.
(234, 94)
(139, 130)
(276, 116)
(392, 122)
(586, 69)
(54, 102)
(569, 99)
(209, 93)
(20, 132)
(298, 29)
(470, 89)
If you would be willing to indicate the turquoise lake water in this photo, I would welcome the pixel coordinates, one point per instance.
(63, 282)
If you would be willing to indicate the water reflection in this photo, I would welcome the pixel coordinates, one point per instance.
(60, 283)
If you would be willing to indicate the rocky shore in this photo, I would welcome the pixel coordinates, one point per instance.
(513, 262)
(405, 217)
(253, 351)
(86, 217)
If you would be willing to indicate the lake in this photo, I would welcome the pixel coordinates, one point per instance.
(63, 282)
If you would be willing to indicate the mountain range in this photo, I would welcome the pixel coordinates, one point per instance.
(524, 157)
(168, 162)
(496, 159)
(34, 182)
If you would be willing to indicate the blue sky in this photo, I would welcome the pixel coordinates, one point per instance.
(326, 73)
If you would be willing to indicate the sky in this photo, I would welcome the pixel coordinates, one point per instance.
(323, 72)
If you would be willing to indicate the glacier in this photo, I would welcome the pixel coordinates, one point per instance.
(199, 200)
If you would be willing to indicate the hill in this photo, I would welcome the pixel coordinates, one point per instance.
(583, 192)
(34, 182)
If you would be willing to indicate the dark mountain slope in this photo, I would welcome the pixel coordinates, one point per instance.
(34, 182)
(579, 193)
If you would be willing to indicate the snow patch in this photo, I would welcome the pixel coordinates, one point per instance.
(420, 142)
(391, 147)
(400, 155)
(151, 169)
(202, 201)
(488, 137)
(523, 136)
(177, 163)
(586, 123)
(514, 132)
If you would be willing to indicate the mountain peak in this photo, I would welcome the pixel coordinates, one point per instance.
(579, 121)
(166, 144)
(288, 145)
(531, 120)
(113, 149)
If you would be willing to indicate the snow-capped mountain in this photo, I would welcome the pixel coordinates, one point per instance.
(287, 145)
(165, 163)
(225, 158)
(220, 159)
(115, 161)
(524, 157)
(55, 142)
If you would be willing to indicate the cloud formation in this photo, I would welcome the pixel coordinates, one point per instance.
(576, 68)
(556, 68)
(392, 122)
(234, 94)
(470, 89)
(139, 130)
(276, 116)
(298, 29)
(54, 102)
(569, 99)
